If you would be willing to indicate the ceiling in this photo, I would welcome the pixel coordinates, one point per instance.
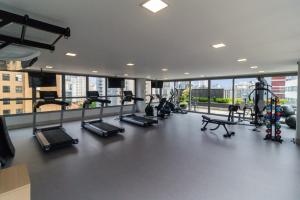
(107, 34)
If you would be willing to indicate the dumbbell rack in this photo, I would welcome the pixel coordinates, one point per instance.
(272, 117)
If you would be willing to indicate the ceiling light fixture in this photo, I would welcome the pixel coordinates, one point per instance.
(95, 71)
(130, 64)
(242, 60)
(71, 54)
(186, 73)
(155, 5)
(125, 74)
(148, 77)
(254, 67)
(216, 46)
(49, 67)
(164, 69)
(261, 71)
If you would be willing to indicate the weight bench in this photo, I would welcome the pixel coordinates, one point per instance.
(207, 120)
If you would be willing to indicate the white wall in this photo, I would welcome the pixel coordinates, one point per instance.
(22, 121)
(298, 108)
(140, 92)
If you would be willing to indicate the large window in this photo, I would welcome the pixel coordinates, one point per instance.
(115, 94)
(167, 88)
(97, 84)
(148, 91)
(285, 87)
(16, 95)
(199, 96)
(182, 94)
(221, 96)
(75, 86)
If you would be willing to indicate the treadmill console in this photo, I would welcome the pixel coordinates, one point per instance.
(93, 94)
(48, 95)
(128, 96)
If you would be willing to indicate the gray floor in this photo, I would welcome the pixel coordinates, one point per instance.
(174, 161)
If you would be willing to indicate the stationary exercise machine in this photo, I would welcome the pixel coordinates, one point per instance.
(51, 137)
(7, 149)
(259, 95)
(149, 110)
(207, 120)
(98, 126)
(133, 118)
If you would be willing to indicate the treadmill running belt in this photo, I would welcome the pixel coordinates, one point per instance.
(57, 137)
(142, 119)
(106, 127)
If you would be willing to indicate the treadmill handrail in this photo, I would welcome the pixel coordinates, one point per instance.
(91, 100)
(46, 102)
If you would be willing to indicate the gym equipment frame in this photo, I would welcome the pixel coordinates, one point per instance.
(7, 18)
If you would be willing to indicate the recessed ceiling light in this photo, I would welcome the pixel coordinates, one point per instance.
(155, 5)
(216, 46)
(49, 67)
(130, 64)
(95, 71)
(164, 69)
(261, 71)
(254, 67)
(186, 73)
(242, 60)
(125, 74)
(202, 76)
(71, 54)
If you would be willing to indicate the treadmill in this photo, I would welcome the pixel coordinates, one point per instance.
(97, 126)
(51, 137)
(132, 118)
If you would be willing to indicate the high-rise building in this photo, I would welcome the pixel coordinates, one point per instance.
(278, 86)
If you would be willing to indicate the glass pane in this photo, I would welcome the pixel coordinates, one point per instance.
(182, 94)
(199, 96)
(166, 90)
(148, 88)
(242, 88)
(97, 84)
(285, 87)
(14, 85)
(130, 85)
(221, 96)
(58, 87)
(114, 92)
(75, 103)
(12, 107)
(115, 101)
(75, 86)
(50, 107)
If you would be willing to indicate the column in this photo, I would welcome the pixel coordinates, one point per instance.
(298, 107)
(140, 92)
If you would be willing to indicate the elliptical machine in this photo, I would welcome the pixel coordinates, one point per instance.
(149, 110)
(174, 99)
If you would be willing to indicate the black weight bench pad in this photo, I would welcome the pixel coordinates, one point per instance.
(207, 120)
